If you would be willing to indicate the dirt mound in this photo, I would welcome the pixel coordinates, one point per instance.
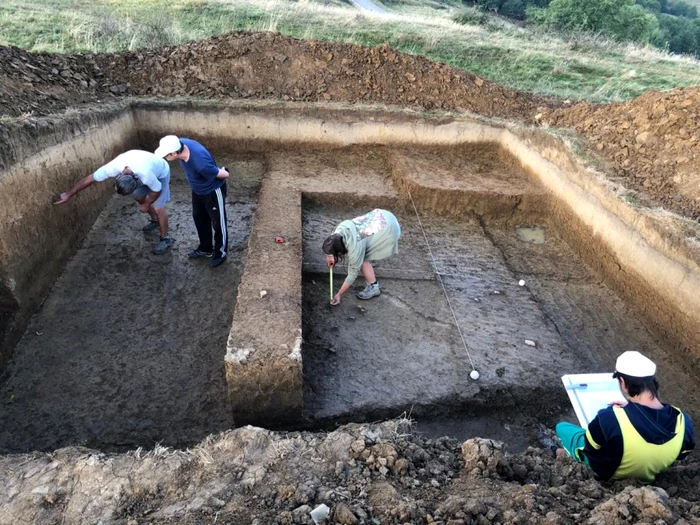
(259, 65)
(41, 83)
(364, 474)
(652, 144)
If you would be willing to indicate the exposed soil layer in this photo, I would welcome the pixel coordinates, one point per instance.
(365, 474)
(650, 144)
(127, 350)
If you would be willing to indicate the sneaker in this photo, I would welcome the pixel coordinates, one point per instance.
(163, 245)
(216, 261)
(152, 225)
(371, 290)
(547, 440)
(198, 254)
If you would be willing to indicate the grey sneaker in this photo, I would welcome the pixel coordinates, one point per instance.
(371, 290)
(198, 254)
(152, 225)
(163, 245)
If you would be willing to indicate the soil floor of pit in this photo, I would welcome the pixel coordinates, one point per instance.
(400, 352)
(126, 352)
(128, 348)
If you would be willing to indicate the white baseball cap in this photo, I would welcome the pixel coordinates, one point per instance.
(634, 364)
(168, 144)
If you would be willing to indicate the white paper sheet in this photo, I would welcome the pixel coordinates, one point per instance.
(590, 393)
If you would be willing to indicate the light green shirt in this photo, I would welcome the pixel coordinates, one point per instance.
(370, 237)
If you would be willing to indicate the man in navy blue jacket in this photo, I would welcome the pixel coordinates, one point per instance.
(208, 183)
(636, 438)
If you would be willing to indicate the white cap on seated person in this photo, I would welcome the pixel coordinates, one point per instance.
(634, 364)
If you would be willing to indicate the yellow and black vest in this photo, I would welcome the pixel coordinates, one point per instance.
(641, 459)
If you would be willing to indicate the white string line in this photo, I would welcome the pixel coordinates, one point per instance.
(444, 290)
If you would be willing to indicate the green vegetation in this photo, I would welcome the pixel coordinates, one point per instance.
(576, 67)
(667, 24)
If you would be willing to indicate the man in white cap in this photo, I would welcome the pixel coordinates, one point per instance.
(208, 184)
(636, 438)
(146, 178)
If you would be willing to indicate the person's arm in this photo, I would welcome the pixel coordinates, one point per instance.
(149, 200)
(207, 168)
(603, 452)
(223, 173)
(339, 296)
(80, 186)
(150, 180)
(688, 439)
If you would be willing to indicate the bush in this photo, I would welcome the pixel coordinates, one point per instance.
(635, 24)
(513, 9)
(678, 34)
(617, 19)
(536, 15)
(471, 17)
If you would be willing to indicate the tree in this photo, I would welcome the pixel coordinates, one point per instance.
(681, 8)
(634, 24)
(618, 19)
(589, 15)
(513, 9)
(678, 34)
(650, 5)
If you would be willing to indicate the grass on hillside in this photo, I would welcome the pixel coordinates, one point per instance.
(576, 68)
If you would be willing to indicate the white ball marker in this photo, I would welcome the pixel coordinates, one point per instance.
(521, 282)
(474, 375)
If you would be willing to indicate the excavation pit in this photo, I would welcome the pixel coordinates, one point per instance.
(129, 349)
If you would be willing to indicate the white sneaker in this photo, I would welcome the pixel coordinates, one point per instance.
(371, 290)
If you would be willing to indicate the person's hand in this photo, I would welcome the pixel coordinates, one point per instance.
(143, 208)
(618, 404)
(63, 197)
(223, 173)
(336, 300)
(330, 261)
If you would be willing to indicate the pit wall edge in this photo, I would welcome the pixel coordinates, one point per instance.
(38, 237)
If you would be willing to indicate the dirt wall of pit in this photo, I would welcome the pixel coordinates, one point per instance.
(645, 254)
(41, 158)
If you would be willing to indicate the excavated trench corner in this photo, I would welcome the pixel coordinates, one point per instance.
(127, 348)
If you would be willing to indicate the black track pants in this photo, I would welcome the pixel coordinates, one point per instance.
(209, 212)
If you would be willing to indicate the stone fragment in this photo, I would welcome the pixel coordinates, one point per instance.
(343, 515)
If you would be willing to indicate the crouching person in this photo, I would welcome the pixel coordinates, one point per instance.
(143, 176)
(636, 438)
(366, 238)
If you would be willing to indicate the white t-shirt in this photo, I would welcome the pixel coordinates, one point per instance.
(149, 168)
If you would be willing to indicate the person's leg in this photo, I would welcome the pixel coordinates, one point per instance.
(368, 272)
(372, 289)
(161, 216)
(165, 241)
(572, 437)
(217, 215)
(202, 222)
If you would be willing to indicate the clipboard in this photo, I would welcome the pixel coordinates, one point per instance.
(590, 393)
